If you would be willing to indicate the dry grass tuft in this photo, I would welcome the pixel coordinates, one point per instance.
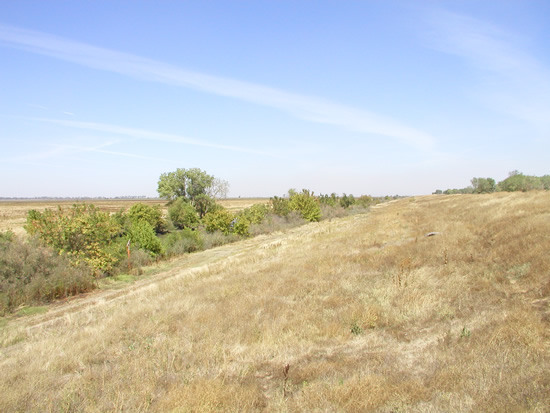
(367, 312)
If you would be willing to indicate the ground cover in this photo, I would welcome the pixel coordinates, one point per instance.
(362, 313)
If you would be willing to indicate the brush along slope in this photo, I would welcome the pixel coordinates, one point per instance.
(367, 312)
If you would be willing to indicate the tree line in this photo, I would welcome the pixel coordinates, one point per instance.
(516, 181)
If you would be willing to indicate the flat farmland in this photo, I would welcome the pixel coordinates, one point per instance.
(13, 213)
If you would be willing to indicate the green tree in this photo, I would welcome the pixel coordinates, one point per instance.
(183, 214)
(517, 181)
(483, 185)
(184, 183)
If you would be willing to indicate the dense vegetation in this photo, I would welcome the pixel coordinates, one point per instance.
(68, 249)
(516, 181)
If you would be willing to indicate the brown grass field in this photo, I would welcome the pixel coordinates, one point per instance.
(363, 313)
(13, 214)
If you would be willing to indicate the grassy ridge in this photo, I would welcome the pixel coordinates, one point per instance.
(366, 311)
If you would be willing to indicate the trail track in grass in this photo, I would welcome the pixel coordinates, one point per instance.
(190, 265)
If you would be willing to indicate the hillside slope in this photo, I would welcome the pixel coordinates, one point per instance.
(365, 313)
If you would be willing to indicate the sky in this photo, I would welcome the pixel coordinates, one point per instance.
(99, 98)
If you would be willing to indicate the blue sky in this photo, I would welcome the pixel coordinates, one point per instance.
(98, 98)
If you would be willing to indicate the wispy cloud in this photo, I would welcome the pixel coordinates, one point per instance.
(512, 79)
(309, 108)
(55, 151)
(144, 134)
(99, 149)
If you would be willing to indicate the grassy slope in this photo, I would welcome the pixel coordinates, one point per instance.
(367, 312)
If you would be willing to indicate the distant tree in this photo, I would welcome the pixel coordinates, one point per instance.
(347, 200)
(329, 200)
(184, 183)
(483, 185)
(517, 181)
(218, 189)
(194, 186)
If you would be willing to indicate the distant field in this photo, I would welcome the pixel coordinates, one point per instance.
(14, 213)
(356, 314)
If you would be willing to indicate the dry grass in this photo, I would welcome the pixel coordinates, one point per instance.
(368, 313)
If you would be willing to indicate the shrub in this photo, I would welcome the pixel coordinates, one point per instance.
(329, 200)
(274, 223)
(256, 213)
(217, 238)
(280, 206)
(84, 234)
(249, 216)
(241, 226)
(219, 220)
(306, 204)
(143, 235)
(31, 273)
(330, 212)
(151, 214)
(347, 200)
(182, 242)
(183, 214)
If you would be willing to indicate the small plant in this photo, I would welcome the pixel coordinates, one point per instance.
(465, 333)
(356, 329)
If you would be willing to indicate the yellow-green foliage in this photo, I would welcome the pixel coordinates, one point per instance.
(83, 233)
(219, 220)
(150, 214)
(306, 204)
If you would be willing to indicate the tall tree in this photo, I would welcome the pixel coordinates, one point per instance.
(184, 183)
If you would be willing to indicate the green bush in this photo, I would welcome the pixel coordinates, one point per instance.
(331, 200)
(182, 242)
(256, 213)
(347, 200)
(241, 226)
(151, 214)
(280, 206)
(306, 204)
(83, 233)
(219, 220)
(143, 236)
(31, 274)
(183, 214)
